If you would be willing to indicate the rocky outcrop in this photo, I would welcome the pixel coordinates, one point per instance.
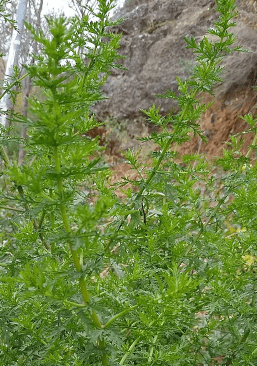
(153, 43)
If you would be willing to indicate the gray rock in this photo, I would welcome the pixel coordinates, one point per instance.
(153, 43)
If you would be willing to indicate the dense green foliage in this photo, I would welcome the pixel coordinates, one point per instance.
(163, 277)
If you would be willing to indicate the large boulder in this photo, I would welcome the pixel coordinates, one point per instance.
(153, 43)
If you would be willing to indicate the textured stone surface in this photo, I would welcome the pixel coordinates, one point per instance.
(153, 43)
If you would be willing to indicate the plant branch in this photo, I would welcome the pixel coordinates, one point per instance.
(12, 208)
(117, 316)
(13, 84)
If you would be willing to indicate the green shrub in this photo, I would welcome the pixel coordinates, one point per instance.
(165, 277)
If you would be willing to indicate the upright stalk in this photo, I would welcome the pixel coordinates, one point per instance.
(253, 145)
(76, 260)
(164, 151)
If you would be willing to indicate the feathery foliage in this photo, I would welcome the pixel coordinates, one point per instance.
(166, 276)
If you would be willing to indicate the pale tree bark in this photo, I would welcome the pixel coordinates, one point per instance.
(9, 10)
(13, 55)
(27, 86)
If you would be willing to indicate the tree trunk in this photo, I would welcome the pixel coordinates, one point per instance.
(13, 55)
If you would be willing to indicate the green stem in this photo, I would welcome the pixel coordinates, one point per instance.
(13, 84)
(5, 157)
(117, 316)
(96, 319)
(130, 350)
(66, 224)
(166, 148)
(72, 303)
(105, 360)
(41, 219)
(92, 61)
(252, 146)
(76, 261)
(152, 349)
(101, 345)
(45, 196)
(12, 208)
